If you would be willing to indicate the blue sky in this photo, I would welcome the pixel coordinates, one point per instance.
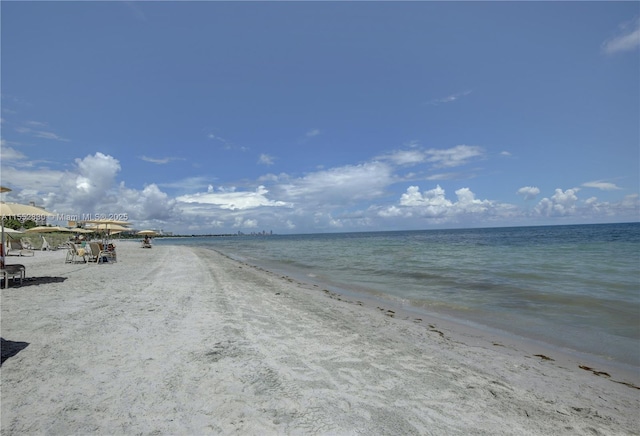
(298, 117)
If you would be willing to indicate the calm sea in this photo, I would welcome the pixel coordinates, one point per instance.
(574, 287)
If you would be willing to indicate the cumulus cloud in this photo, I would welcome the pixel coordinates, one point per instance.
(561, 203)
(368, 196)
(628, 39)
(91, 187)
(435, 206)
(528, 192)
(94, 178)
(146, 205)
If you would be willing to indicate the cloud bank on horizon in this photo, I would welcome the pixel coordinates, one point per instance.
(348, 198)
(311, 120)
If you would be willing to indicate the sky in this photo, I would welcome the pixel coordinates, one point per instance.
(312, 117)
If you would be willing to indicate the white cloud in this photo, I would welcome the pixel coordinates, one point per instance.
(146, 205)
(561, 203)
(187, 184)
(265, 159)
(529, 192)
(434, 206)
(341, 185)
(313, 132)
(245, 223)
(454, 157)
(444, 176)
(449, 98)
(49, 135)
(405, 157)
(603, 186)
(9, 154)
(350, 197)
(90, 188)
(439, 158)
(32, 130)
(433, 197)
(159, 161)
(233, 200)
(628, 39)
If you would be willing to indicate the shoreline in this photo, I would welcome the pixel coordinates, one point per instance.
(185, 340)
(454, 323)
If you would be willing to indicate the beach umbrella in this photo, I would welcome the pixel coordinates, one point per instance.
(48, 229)
(12, 234)
(21, 211)
(9, 231)
(108, 228)
(147, 232)
(106, 221)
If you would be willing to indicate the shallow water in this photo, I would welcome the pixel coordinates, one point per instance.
(576, 287)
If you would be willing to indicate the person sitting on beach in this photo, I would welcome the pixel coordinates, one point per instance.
(147, 242)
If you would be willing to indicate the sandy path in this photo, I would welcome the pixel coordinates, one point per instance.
(183, 341)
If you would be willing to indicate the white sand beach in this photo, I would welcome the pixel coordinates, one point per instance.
(176, 340)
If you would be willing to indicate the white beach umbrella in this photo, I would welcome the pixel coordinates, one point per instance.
(48, 229)
(21, 211)
(147, 232)
(107, 228)
(106, 221)
(9, 231)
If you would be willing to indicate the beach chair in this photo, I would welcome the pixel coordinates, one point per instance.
(27, 244)
(99, 255)
(15, 245)
(45, 244)
(74, 253)
(13, 271)
(93, 252)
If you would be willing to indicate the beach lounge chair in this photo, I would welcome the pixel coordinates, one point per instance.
(99, 255)
(13, 271)
(45, 244)
(15, 245)
(74, 253)
(27, 244)
(93, 252)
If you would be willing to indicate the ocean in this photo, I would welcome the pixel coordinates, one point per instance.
(576, 288)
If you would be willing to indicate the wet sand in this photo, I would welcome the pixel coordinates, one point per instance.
(185, 341)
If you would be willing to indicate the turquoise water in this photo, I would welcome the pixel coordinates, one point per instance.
(575, 287)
